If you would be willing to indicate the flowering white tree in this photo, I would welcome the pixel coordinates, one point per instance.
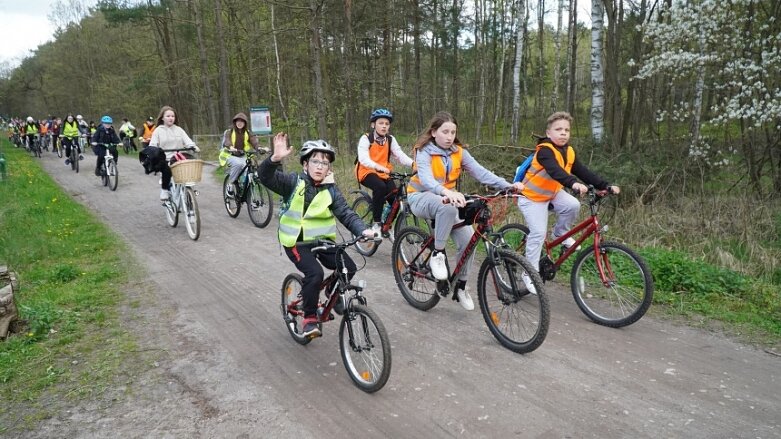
(731, 51)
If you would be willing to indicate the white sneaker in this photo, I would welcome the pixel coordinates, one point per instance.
(164, 194)
(438, 264)
(465, 299)
(527, 281)
(377, 229)
(569, 242)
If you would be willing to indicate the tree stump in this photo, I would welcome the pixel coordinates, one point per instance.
(8, 311)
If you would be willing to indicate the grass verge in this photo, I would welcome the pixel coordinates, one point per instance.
(71, 271)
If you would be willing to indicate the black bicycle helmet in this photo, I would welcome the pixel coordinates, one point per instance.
(312, 146)
(381, 113)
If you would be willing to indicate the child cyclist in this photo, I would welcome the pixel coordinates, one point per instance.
(439, 159)
(554, 167)
(105, 137)
(374, 152)
(315, 204)
(236, 141)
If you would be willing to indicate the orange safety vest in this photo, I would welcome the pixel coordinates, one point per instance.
(379, 154)
(539, 184)
(446, 170)
(148, 131)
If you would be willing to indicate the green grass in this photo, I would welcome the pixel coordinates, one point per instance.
(71, 272)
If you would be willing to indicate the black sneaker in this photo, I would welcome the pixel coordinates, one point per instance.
(310, 328)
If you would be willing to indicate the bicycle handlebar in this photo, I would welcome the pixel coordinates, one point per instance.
(325, 244)
(471, 198)
(401, 175)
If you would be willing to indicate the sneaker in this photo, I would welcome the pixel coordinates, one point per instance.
(67, 162)
(569, 242)
(465, 299)
(377, 229)
(164, 194)
(438, 264)
(230, 191)
(309, 327)
(527, 281)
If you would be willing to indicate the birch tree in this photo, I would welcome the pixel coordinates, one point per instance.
(517, 71)
(597, 73)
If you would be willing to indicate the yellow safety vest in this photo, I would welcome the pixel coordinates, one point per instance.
(224, 153)
(317, 222)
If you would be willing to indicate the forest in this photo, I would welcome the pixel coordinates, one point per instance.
(679, 102)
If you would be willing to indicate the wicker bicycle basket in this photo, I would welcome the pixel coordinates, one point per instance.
(187, 171)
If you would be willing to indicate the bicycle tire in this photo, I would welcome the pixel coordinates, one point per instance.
(414, 281)
(74, 158)
(363, 207)
(406, 219)
(614, 305)
(126, 145)
(232, 203)
(59, 149)
(358, 344)
(291, 290)
(112, 175)
(192, 215)
(514, 237)
(518, 319)
(171, 213)
(259, 204)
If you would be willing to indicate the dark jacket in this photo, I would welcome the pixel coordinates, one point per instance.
(548, 161)
(106, 136)
(285, 183)
(152, 159)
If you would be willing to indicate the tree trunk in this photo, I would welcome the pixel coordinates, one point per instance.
(224, 68)
(347, 64)
(211, 110)
(315, 48)
(541, 49)
(597, 73)
(456, 12)
(517, 72)
(480, 51)
(557, 63)
(498, 107)
(278, 65)
(573, 55)
(418, 80)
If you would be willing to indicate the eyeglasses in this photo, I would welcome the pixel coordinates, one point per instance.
(319, 164)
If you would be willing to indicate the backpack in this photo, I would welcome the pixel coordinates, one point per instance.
(521, 170)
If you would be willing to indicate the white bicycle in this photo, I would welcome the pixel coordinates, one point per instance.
(183, 199)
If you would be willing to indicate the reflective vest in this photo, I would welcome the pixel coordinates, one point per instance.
(224, 153)
(148, 132)
(539, 184)
(70, 129)
(379, 154)
(32, 128)
(316, 222)
(446, 170)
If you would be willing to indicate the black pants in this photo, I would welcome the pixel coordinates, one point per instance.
(307, 263)
(381, 190)
(69, 143)
(100, 151)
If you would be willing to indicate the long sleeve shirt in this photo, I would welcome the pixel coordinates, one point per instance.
(395, 149)
(170, 138)
(431, 152)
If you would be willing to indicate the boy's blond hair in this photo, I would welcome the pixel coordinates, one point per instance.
(559, 115)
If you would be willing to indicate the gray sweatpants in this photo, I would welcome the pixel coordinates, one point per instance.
(235, 165)
(429, 206)
(536, 213)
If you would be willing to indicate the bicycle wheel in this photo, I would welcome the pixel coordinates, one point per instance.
(113, 175)
(363, 207)
(405, 219)
(411, 271)
(192, 215)
(74, 158)
(126, 145)
(514, 237)
(625, 295)
(58, 147)
(259, 204)
(171, 213)
(517, 318)
(232, 203)
(366, 350)
(291, 293)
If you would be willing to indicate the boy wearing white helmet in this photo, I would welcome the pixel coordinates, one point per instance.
(315, 204)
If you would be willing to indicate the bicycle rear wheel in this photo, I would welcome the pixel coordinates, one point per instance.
(192, 215)
(513, 237)
(232, 203)
(626, 292)
(291, 295)
(58, 147)
(363, 207)
(112, 175)
(517, 318)
(410, 269)
(366, 349)
(259, 204)
(405, 219)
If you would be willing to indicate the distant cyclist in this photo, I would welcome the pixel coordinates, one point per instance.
(105, 137)
(149, 127)
(236, 141)
(70, 138)
(127, 130)
(31, 130)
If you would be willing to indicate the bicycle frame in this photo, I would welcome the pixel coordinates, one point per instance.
(588, 227)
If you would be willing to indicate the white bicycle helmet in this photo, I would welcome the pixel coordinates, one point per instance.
(311, 146)
(78, 117)
(30, 119)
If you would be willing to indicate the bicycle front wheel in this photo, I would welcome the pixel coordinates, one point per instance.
(126, 145)
(513, 237)
(232, 202)
(517, 317)
(293, 307)
(259, 204)
(363, 207)
(612, 286)
(366, 349)
(406, 219)
(409, 258)
(112, 175)
(192, 215)
(171, 213)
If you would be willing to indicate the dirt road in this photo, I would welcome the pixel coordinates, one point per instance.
(230, 368)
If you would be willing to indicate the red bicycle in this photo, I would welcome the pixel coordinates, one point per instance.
(611, 283)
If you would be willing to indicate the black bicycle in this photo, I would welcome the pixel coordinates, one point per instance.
(363, 339)
(248, 190)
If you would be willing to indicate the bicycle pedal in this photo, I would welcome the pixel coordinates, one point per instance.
(443, 287)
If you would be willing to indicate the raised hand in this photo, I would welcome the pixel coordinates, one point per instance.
(281, 147)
